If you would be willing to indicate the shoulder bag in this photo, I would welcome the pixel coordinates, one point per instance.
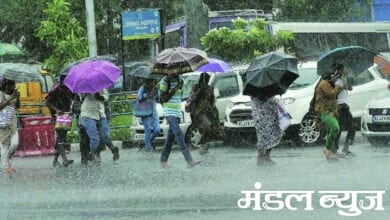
(6, 115)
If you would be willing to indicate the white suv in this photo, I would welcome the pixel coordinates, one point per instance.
(375, 122)
(304, 129)
(226, 85)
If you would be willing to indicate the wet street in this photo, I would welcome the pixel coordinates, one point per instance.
(136, 187)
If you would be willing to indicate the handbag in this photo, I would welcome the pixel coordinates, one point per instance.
(64, 121)
(6, 115)
(143, 108)
(283, 117)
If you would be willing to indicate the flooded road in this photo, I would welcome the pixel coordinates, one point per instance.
(136, 187)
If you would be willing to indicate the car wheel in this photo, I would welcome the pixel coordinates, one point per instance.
(310, 131)
(193, 137)
(376, 141)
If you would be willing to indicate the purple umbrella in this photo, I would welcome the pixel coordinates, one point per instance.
(92, 76)
(215, 65)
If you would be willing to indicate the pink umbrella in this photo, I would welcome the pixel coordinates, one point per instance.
(92, 76)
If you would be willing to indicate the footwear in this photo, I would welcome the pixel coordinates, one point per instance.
(194, 163)
(67, 162)
(203, 149)
(62, 152)
(347, 151)
(164, 165)
(115, 151)
(9, 169)
(261, 157)
(95, 158)
(330, 155)
(267, 157)
(55, 161)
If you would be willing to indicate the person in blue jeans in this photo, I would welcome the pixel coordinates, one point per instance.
(171, 92)
(93, 118)
(148, 94)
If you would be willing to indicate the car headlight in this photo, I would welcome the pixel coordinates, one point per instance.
(287, 101)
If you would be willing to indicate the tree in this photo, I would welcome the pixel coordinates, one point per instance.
(323, 11)
(220, 5)
(64, 34)
(197, 21)
(247, 40)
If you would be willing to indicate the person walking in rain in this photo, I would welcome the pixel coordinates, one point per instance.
(204, 113)
(170, 88)
(345, 118)
(59, 100)
(268, 131)
(9, 96)
(326, 106)
(93, 118)
(148, 94)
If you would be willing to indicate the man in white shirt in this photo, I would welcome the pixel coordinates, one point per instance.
(344, 114)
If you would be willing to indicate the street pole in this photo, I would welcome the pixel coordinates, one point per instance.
(90, 12)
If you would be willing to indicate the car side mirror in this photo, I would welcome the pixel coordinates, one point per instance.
(216, 93)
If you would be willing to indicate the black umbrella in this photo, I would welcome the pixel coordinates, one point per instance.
(270, 74)
(356, 58)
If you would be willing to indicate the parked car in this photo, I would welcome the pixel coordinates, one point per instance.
(304, 128)
(226, 85)
(375, 121)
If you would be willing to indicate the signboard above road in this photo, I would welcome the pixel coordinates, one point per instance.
(141, 24)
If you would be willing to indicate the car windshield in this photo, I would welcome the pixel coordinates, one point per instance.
(307, 76)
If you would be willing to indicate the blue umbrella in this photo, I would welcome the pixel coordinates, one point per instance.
(355, 58)
(215, 65)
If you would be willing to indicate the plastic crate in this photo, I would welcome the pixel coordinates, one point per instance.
(36, 141)
(36, 121)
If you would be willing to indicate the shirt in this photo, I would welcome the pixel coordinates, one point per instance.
(173, 106)
(93, 108)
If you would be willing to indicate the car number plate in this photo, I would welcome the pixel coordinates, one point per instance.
(381, 118)
(139, 136)
(247, 123)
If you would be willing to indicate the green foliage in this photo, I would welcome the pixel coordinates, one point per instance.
(64, 34)
(323, 11)
(121, 104)
(248, 40)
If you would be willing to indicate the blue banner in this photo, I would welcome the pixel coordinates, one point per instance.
(141, 24)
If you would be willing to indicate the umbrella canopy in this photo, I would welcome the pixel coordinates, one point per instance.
(270, 74)
(67, 67)
(10, 49)
(20, 72)
(355, 58)
(178, 60)
(215, 65)
(143, 72)
(92, 76)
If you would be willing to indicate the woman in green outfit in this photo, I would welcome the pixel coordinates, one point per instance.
(326, 106)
